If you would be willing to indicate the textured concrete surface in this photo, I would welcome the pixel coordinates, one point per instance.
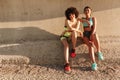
(109, 69)
(29, 40)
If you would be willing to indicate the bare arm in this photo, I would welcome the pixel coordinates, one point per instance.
(84, 20)
(94, 25)
(67, 23)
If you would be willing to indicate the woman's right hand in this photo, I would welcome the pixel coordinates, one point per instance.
(79, 19)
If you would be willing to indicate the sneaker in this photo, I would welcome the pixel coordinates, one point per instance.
(67, 68)
(100, 56)
(73, 54)
(94, 66)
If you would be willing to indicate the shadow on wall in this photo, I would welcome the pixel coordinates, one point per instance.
(39, 46)
(21, 10)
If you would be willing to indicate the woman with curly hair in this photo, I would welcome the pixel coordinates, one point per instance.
(71, 30)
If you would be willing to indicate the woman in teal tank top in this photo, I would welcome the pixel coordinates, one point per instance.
(90, 37)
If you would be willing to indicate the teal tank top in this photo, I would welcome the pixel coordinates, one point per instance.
(85, 24)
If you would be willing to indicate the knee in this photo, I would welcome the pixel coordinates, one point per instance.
(95, 35)
(74, 33)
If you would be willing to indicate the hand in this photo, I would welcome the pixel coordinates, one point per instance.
(79, 19)
(91, 43)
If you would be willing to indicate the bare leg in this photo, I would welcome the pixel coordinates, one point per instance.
(96, 42)
(74, 39)
(97, 45)
(66, 50)
(91, 49)
(92, 55)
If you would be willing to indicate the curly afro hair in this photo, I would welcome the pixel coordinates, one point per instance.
(71, 10)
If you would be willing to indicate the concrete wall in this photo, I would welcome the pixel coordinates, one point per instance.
(27, 10)
(36, 25)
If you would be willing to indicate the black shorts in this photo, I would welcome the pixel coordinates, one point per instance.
(87, 34)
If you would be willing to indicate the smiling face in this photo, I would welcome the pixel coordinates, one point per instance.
(72, 16)
(87, 11)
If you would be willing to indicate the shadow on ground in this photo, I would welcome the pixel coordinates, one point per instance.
(40, 46)
(33, 46)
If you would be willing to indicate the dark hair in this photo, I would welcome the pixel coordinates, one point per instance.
(87, 7)
(71, 10)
